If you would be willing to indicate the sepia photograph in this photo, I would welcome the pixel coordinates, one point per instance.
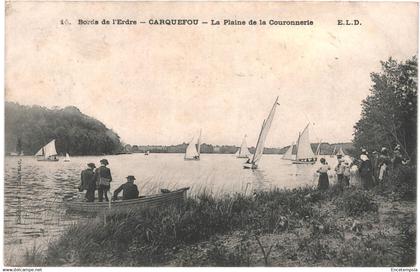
(210, 134)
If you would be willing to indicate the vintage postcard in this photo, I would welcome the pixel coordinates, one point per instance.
(218, 134)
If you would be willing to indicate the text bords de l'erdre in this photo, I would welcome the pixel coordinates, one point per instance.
(216, 22)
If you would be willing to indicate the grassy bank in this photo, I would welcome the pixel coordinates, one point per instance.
(299, 227)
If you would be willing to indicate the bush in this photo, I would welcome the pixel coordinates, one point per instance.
(370, 250)
(316, 249)
(240, 255)
(355, 203)
(404, 180)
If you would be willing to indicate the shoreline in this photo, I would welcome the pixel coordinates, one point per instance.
(281, 227)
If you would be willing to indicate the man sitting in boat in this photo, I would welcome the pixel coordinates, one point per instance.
(88, 182)
(129, 189)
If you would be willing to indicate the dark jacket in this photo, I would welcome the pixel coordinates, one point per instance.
(87, 180)
(129, 189)
(365, 168)
(103, 172)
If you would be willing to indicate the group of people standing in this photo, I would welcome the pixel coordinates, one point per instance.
(371, 171)
(92, 179)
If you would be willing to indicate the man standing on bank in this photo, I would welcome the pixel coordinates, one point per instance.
(129, 189)
(103, 180)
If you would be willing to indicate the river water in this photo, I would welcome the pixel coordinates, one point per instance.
(34, 191)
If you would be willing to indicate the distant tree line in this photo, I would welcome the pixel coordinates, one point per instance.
(389, 113)
(326, 148)
(28, 128)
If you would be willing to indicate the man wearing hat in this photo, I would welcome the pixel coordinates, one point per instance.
(103, 178)
(87, 182)
(129, 189)
(398, 159)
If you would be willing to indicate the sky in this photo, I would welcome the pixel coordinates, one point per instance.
(162, 84)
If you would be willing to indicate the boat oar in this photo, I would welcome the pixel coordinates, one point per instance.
(109, 194)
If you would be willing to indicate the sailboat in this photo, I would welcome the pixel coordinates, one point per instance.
(318, 149)
(341, 152)
(47, 152)
(333, 153)
(147, 153)
(243, 151)
(193, 153)
(288, 155)
(259, 149)
(67, 159)
(304, 154)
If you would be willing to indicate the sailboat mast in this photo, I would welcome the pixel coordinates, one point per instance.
(297, 146)
(199, 143)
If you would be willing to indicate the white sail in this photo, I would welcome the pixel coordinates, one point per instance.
(48, 150)
(318, 149)
(333, 153)
(40, 152)
(341, 152)
(288, 155)
(191, 151)
(199, 144)
(304, 150)
(237, 152)
(259, 149)
(243, 151)
(67, 157)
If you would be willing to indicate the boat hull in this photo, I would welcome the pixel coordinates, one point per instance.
(191, 159)
(47, 160)
(303, 162)
(250, 166)
(147, 202)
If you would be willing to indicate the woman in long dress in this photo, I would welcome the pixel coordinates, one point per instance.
(323, 181)
(365, 170)
(354, 176)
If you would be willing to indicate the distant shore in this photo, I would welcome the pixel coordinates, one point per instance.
(299, 227)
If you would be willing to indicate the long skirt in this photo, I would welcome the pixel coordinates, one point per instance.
(323, 182)
(355, 177)
(367, 181)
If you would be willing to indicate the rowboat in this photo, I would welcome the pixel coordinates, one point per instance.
(146, 202)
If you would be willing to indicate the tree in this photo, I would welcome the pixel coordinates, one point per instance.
(389, 113)
(28, 128)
